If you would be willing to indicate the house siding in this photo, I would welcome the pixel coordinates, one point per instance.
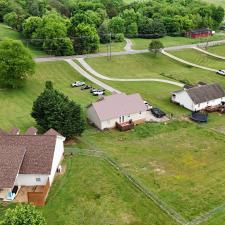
(137, 118)
(58, 155)
(183, 99)
(93, 117)
(30, 179)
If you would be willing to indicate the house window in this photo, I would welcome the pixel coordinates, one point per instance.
(38, 179)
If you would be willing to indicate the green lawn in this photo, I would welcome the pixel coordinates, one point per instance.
(17, 104)
(216, 2)
(148, 66)
(218, 50)
(7, 32)
(92, 192)
(200, 58)
(176, 161)
(115, 47)
(142, 43)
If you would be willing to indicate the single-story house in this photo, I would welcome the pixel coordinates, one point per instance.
(117, 108)
(199, 33)
(200, 96)
(28, 160)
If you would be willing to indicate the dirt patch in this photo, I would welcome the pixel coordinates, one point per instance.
(157, 168)
(127, 218)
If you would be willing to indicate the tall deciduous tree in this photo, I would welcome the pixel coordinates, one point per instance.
(53, 109)
(16, 64)
(86, 39)
(24, 215)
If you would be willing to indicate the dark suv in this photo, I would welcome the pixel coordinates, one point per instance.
(158, 113)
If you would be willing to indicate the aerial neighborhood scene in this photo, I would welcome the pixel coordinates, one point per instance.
(112, 112)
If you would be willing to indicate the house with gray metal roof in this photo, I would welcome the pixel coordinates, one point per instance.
(117, 109)
(28, 160)
(199, 97)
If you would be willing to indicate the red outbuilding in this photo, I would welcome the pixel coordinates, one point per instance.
(199, 33)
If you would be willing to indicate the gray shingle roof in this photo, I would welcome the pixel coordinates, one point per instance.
(11, 159)
(205, 93)
(25, 154)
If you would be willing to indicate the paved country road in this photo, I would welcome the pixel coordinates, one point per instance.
(103, 85)
(58, 58)
(103, 77)
(186, 62)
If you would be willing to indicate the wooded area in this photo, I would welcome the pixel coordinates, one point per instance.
(64, 27)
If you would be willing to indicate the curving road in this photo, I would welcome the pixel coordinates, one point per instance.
(186, 62)
(58, 58)
(208, 53)
(89, 77)
(87, 67)
(128, 46)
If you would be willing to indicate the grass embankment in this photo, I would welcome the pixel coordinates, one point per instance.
(93, 192)
(115, 47)
(200, 58)
(143, 43)
(218, 50)
(7, 32)
(173, 160)
(16, 105)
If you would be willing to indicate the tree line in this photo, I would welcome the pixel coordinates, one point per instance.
(65, 27)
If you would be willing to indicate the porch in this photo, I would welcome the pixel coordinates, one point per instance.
(125, 126)
(33, 194)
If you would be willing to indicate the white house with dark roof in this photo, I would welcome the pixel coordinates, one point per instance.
(117, 108)
(199, 97)
(28, 160)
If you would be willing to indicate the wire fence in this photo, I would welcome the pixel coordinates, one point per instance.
(148, 193)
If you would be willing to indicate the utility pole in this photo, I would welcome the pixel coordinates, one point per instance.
(110, 46)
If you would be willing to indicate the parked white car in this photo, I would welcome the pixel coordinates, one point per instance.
(221, 72)
(148, 106)
(98, 92)
(78, 84)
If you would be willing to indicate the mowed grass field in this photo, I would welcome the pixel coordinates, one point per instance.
(200, 58)
(218, 50)
(168, 41)
(91, 192)
(158, 94)
(148, 65)
(181, 162)
(7, 32)
(16, 105)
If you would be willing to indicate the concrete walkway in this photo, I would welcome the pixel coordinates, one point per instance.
(89, 77)
(103, 77)
(209, 53)
(128, 47)
(186, 62)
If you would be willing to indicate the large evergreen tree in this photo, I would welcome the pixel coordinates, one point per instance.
(53, 109)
